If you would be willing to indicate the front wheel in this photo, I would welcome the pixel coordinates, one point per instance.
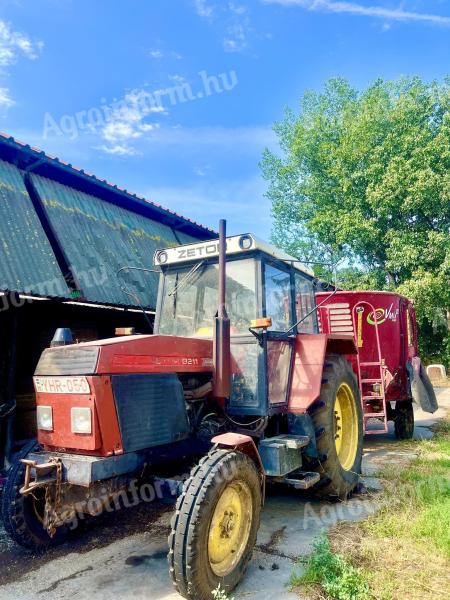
(215, 525)
(337, 418)
(23, 516)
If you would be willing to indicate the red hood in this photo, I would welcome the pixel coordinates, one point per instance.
(130, 354)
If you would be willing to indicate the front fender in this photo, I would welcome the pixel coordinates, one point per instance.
(246, 445)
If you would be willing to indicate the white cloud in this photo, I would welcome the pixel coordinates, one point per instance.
(158, 54)
(155, 53)
(177, 78)
(126, 122)
(118, 150)
(5, 98)
(236, 38)
(238, 9)
(236, 23)
(204, 8)
(14, 43)
(202, 170)
(353, 8)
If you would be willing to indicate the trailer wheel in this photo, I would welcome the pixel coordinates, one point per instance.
(215, 525)
(337, 418)
(404, 420)
(23, 515)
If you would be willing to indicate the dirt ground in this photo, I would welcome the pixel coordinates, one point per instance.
(123, 555)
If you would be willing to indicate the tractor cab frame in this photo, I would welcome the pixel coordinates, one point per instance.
(264, 286)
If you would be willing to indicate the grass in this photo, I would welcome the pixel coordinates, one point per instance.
(331, 573)
(401, 551)
(220, 594)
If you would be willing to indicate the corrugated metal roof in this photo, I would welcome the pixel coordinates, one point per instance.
(27, 262)
(108, 228)
(99, 238)
(46, 160)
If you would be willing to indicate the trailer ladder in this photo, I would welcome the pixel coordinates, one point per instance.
(370, 373)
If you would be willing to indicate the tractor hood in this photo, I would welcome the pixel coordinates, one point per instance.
(133, 354)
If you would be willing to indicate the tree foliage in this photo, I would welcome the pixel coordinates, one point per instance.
(366, 176)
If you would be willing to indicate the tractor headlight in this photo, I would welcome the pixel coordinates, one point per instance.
(44, 416)
(81, 420)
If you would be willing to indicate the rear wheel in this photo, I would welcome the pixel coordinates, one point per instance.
(23, 516)
(404, 420)
(337, 418)
(215, 525)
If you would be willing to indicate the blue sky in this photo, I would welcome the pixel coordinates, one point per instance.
(175, 99)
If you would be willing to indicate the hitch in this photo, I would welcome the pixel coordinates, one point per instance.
(44, 474)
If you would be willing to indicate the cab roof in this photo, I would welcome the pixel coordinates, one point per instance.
(236, 244)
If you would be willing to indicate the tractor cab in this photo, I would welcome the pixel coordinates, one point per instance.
(267, 293)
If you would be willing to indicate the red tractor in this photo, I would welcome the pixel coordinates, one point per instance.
(236, 386)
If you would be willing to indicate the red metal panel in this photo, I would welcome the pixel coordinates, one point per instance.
(105, 439)
(62, 436)
(310, 350)
(154, 354)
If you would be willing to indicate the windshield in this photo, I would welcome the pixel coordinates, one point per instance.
(190, 299)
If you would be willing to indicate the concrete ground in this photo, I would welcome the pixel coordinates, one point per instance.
(123, 556)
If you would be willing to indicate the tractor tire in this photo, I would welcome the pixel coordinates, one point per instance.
(22, 515)
(215, 525)
(338, 423)
(404, 420)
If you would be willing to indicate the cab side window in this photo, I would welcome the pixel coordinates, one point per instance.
(304, 303)
(278, 302)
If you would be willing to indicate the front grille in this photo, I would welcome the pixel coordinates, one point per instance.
(68, 360)
(151, 410)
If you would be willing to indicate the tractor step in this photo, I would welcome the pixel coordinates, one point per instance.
(294, 442)
(375, 415)
(376, 431)
(377, 397)
(302, 481)
(374, 380)
(370, 364)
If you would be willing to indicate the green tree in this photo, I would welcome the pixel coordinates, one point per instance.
(366, 176)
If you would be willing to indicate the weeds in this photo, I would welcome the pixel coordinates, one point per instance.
(220, 594)
(332, 573)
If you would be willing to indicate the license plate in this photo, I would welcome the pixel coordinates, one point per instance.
(62, 385)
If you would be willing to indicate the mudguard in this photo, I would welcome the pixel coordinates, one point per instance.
(421, 389)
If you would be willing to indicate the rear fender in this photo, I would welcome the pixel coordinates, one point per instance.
(310, 352)
(246, 445)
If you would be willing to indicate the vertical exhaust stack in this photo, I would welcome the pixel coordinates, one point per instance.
(221, 346)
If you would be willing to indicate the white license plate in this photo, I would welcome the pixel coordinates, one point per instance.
(62, 385)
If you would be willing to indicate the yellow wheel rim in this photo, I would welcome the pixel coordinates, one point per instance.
(230, 528)
(346, 427)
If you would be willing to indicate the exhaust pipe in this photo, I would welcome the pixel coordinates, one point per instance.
(221, 343)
